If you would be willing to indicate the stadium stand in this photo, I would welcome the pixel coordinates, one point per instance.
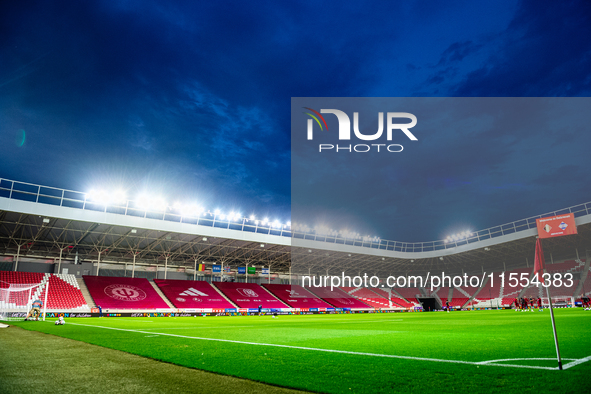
(249, 295)
(586, 288)
(489, 294)
(407, 295)
(382, 293)
(442, 293)
(188, 294)
(368, 296)
(296, 296)
(338, 298)
(565, 266)
(8, 278)
(393, 300)
(64, 293)
(13, 277)
(458, 298)
(123, 293)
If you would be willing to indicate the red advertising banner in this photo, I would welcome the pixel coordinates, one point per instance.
(556, 226)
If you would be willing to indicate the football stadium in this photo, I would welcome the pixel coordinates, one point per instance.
(216, 292)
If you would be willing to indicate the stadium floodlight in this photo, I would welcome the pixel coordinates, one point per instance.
(252, 217)
(237, 216)
(216, 212)
(265, 220)
(288, 224)
(149, 203)
(256, 222)
(222, 216)
(104, 197)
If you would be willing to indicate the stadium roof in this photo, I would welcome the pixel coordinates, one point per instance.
(44, 229)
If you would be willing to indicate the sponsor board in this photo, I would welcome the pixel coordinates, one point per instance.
(556, 226)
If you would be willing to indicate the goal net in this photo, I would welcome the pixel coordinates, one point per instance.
(16, 299)
(559, 302)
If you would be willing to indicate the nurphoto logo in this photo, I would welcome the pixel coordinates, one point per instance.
(344, 133)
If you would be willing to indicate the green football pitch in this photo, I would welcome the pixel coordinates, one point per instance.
(470, 351)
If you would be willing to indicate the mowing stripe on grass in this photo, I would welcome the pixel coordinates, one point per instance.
(483, 363)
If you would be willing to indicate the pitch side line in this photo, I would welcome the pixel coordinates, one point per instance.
(340, 351)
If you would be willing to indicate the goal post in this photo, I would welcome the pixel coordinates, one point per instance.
(16, 299)
(559, 302)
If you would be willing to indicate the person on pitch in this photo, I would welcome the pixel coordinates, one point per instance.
(516, 301)
(60, 321)
(540, 308)
(260, 310)
(447, 305)
(35, 311)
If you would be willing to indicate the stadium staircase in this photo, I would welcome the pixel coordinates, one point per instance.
(438, 298)
(387, 294)
(405, 300)
(369, 297)
(161, 294)
(85, 293)
(223, 295)
(273, 295)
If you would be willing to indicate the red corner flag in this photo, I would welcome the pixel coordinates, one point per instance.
(539, 266)
(539, 263)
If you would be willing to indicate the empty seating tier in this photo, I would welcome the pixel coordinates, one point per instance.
(249, 295)
(63, 294)
(123, 293)
(296, 296)
(188, 294)
(337, 298)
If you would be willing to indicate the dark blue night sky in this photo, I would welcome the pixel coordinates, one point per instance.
(191, 100)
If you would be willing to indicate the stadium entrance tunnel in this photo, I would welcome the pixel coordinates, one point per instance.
(430, 304)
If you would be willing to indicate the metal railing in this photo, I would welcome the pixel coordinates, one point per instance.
(74, 199)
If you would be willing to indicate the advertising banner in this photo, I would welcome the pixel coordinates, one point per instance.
(556, 226)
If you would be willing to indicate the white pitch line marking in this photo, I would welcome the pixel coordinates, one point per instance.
(191, 328)
(521, 359)
(579, 361)
(370, 321)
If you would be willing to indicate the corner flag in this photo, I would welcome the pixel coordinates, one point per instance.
(539, 266)
(539, 263)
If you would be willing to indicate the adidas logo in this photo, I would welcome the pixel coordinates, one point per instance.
(193, 292)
